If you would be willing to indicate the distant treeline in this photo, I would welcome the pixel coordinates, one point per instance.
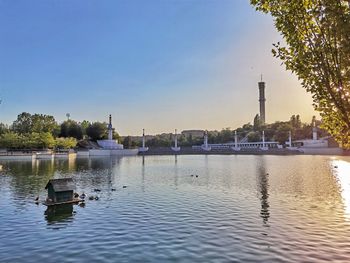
(39, 131)
(277, 131)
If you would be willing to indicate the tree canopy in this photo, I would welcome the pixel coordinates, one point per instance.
(317, 49)
(28, 123)
(72, 129)
(97, 130)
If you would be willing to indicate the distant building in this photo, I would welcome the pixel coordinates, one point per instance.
(193, 133)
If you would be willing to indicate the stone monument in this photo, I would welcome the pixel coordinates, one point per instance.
(205, 145)
(175, 148)
(110, 144)
(143, 148)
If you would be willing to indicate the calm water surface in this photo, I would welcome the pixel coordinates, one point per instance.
(238, 209)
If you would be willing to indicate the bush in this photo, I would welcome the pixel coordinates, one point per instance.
(66, 143)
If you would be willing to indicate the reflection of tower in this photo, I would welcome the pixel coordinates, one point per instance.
(263, 188)
(110, 128)
(143, 173)
(262, 101)
(176, 172)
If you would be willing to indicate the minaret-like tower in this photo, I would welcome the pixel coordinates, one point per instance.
(143, 139)
(110, 128)
(262, 100)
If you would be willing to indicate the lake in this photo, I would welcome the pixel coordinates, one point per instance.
(240, 208)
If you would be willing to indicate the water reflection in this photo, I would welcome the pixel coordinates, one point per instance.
(59, 215)
(28, 178)
(176, 171)
(143, 174)
(263, 189)
(307, 197)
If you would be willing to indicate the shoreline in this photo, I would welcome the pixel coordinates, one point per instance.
(164, 151)
(273, 151)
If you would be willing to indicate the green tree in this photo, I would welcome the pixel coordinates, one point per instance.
(23, 123)
(3, 128)
(84, 125)
(225, 135)
(282, 133)
(254, 136)
(27, 123)
(11, 140)
(43, 123)
(43, 140)
(65, 143)
(97, 130)
(256, 122)
(317, 50)
(129, 143)
(71, 128)
(298, 122)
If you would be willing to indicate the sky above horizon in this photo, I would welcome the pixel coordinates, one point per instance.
(156, 64)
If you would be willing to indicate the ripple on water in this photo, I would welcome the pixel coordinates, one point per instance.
(240, 208)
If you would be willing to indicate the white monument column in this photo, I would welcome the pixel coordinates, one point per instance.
(290, 139)
(236, 140)
(264, 148)
(236, 148)
(263, 138)
(205, 146)
(112, 146)
(175, 148)
(143, 148)
(175, 138)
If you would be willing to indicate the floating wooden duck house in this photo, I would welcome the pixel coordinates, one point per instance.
(60, 191)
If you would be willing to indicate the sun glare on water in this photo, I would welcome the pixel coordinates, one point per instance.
(341, 169)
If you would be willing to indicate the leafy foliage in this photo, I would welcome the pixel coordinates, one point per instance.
(317, 50)
(66, 143)
(27, 123)
(11, 140)
(72, 129)
(97, 131)
(256, 122)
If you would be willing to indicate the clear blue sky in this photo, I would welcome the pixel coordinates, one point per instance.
(155, 64)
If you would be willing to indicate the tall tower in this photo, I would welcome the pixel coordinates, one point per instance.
(110, 128)
(262, 100)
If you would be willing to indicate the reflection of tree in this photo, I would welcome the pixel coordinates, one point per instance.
(28, 178)
(263, 189)
(96, 172)
(82, 164)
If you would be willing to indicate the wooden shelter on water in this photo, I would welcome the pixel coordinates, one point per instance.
(60, 191)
